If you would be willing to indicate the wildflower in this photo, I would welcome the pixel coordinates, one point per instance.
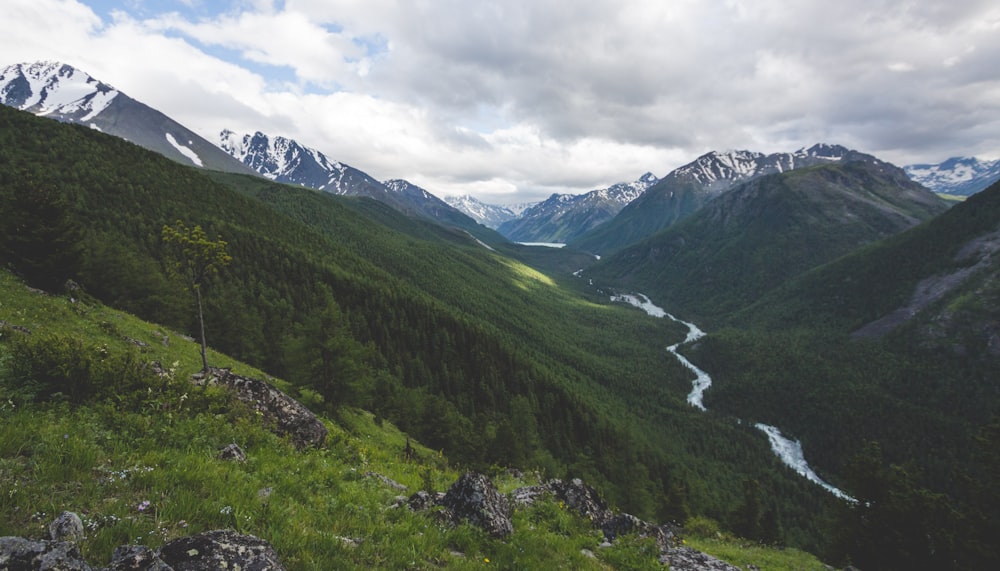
(183, 523)
(226, 510)
(144, 505)
(486, 559)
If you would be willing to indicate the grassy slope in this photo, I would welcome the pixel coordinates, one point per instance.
(157, 443)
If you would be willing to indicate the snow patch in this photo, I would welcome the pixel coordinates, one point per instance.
(184, 150)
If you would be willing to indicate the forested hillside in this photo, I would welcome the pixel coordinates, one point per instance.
(884, 363)
(465, 348)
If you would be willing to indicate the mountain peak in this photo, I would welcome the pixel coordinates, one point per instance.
(54, 88)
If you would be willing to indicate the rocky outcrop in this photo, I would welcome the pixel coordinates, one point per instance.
(136, 558)
(288, 416)
(687, 559)
(233, 453)
(220, 549)
(474, 498)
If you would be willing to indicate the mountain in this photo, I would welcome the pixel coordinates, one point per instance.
(61, 92)
(767, 230)
(284, 160)
(687, 188)
(489, 215)
(962, 176)
(563, 217)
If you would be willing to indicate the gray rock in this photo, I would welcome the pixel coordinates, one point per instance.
(66, 527)
(287, 415)
(220, 549)
(19, 554)
(422, 500)
(582, 499)
(233, 452)
(621, 524)
(687, 559)
(136, 558)
(474, 498)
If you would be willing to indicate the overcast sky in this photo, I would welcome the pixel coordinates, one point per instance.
(512, 100)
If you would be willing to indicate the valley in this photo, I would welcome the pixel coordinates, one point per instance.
(843, 302)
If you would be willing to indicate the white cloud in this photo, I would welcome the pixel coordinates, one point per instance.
(534, 96)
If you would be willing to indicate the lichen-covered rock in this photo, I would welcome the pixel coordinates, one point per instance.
(19, 554)
(136, 558)
(287, 415)
(474, 498)
(385, 480)
(220, 549)
(422, 500)
(66, 527)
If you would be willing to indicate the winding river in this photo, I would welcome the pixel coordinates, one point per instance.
(789, 451)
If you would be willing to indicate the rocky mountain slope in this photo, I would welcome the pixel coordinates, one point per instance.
(563, 217)
(61, 92)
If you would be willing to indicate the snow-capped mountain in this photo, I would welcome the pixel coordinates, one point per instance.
(962, 176)
(285, 160)
(718, 171)
(563, 217)
(489, 215)
(687, 188)
(64, 93)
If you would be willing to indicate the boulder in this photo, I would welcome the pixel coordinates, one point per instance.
(474, 498)
(66, 527)
(287, 415)
(621, 524)
(19, 554)
(220, 549)
(422, 500)
(582, 499)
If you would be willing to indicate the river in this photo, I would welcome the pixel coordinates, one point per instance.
(789, 451)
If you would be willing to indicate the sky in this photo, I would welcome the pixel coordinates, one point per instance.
(513, 100)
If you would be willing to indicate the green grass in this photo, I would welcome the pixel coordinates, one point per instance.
(141, 465)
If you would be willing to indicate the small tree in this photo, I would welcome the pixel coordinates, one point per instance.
(195, 258)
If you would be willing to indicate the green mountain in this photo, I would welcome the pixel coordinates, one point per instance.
(763, 232)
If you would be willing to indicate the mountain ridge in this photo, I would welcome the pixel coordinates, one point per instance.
(961, 176)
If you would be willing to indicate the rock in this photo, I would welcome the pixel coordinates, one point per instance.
(66, 527)
(220, 549)
(474, 498)
(582, 499)
(528, 495)
(385, 480)
(687, 559)
(136, 558)
(19, 554)
(288, 415)
(622, 524)
(422, 500)
(233, 452)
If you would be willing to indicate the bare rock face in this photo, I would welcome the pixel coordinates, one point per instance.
(66, 527)
(220, 549)
(19, 554)
(287, 415)
(687, 559)
(474, 498)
